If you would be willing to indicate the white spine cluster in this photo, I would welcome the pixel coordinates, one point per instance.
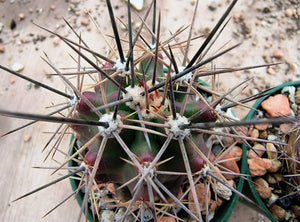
(176, 124)
(120, 67)
(113, 124)
(73, 101)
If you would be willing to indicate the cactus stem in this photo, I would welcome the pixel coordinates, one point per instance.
(155, 160)
(143, 126)
(115, 103)
(128, 151)
(216, 102)
(141, 129)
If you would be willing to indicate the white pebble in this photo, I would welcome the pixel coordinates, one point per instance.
(107, 216)
(17, 67)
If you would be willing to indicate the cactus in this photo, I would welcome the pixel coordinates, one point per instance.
(148, 127)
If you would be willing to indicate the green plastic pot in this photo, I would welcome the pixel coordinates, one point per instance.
(249, 116)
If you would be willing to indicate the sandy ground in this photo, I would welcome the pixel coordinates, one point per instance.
(268, 31)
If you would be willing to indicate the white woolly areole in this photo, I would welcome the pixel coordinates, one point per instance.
(135, 93)
(113, 124)
(186, 78)
(120, 67)
(73, 100)
(175, 125)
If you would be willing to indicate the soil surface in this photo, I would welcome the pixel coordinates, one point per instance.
(267, 30)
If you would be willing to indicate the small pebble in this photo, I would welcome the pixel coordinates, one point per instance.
(56, 41)
(271, 151)
(107, 216)
(213, 206)
(27, 138)
(259, 166)
(236, 16)
(254, 133)
(201, 193)
(277, 105)
(21, 16)
(165, 219)
(288, 12)
(52, 7)
(293, 67)
(262, 126)
(229, 164)
(2, 48)
(85, 21)
(213, 6)
(17, 67)
(277, 212)
(271, 179)
(263, 134)
(262, 188)
(270, 70)
(276, 165)
(257, 151)
(285, 127)
(12, 81)
(236, 152)
(278, 54)
(296, 210)
(137, 4)
(297, 97)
